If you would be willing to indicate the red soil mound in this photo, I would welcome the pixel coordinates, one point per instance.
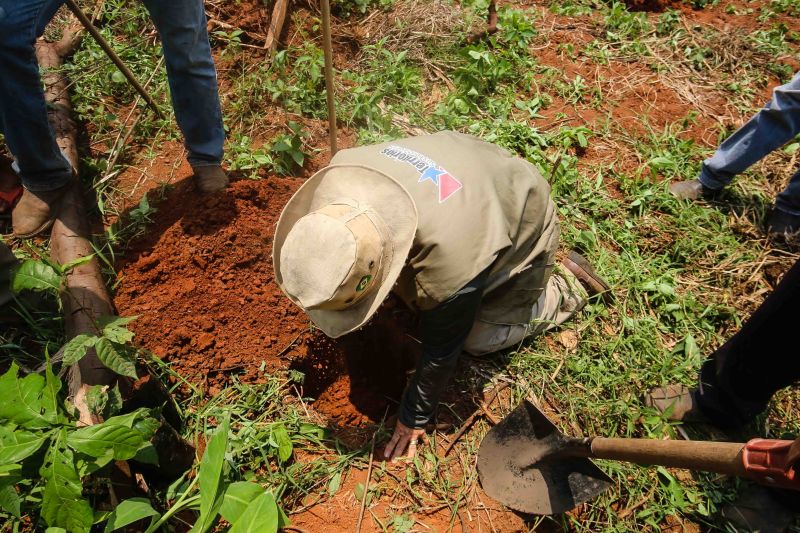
(201, 282)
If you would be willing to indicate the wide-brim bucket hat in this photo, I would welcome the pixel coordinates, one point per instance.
(340, 244)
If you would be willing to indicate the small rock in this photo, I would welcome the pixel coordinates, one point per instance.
(204, 341)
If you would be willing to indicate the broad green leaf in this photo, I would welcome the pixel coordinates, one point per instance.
(118, 335)
(118, 77)
(261, 516)
(55, 530)
(9, 498)
(35, 276)
(115, 358)
(76, 348)
(334, 484)
(114, 401)
(284, 442)
(141, 420)
(147, 454)
(52, 386)
(105, 439)
(237, 497)
(10, 471)
(21, 399)
(128, 512)
(212, 483)
(97, 399)
(66, 267)
(62, 502)
(147, 426)
(16, 445)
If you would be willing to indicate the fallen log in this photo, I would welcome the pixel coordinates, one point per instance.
(84, 298)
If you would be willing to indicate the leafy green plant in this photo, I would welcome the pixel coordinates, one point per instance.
(348, 8)
(34, 417)
(287, 150)
(297, 82)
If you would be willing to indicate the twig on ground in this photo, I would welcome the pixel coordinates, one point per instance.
(289, 346)
(366, 485)
(482, 410)
(295, 528)
(627, 512)
(122, 138)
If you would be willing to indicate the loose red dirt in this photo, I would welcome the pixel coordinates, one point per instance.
(202, 284)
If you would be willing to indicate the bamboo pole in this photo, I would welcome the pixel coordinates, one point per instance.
(328, 48)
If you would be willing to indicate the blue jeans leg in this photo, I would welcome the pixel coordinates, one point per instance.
(789, 199)
(23, 114)
(770, 128)
(192, 77)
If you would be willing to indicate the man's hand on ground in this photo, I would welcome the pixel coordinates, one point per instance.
(404, 437)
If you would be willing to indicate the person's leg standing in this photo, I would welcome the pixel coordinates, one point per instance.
(181, 25)
(23, 113)
(770, 128)
(738, 380)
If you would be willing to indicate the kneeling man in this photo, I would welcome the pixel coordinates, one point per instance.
(460, 230)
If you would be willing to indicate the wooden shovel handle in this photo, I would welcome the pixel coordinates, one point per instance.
(720, 457)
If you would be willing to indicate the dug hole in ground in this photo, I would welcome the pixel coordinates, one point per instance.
(202, 285)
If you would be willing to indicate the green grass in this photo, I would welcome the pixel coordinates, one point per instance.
(684, 275)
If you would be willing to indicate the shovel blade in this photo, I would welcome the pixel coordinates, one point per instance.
(512, 471)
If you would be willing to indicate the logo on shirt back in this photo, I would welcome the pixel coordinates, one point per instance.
(446, 184)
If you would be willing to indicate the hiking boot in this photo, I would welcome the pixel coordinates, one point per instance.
(690, 190)
(210, 178)
(591, 281)
(36, 211)
(756, 509)
(783, 224)
(678, 402)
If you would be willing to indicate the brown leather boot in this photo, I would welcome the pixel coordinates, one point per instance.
(210, 178)
(677, 401)
(36, 211)
(690, 190)
(591, 281)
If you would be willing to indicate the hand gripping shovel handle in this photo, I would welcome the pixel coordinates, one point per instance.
(765, 461)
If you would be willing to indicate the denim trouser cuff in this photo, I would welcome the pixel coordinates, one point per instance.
(710, 182)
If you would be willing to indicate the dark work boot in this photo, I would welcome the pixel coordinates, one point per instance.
(591, 281)
(783, 224)
(36, 211)
(677, 401)
(210, 178)
(690, 190)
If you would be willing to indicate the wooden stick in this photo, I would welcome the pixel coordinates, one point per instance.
(366, 485)
(276, 26)
(482, 410)
(112, 55)
(328, 48)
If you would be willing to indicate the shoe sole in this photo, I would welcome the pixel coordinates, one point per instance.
(582, 270)
(41, 229)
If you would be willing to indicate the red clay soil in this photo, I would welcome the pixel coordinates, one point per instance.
(202, 285)
(656, 6)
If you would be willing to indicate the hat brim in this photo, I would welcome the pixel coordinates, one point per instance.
(368, 187)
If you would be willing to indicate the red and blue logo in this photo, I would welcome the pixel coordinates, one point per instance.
(446, 184)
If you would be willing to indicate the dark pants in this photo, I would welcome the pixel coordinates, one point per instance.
(738, 380)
